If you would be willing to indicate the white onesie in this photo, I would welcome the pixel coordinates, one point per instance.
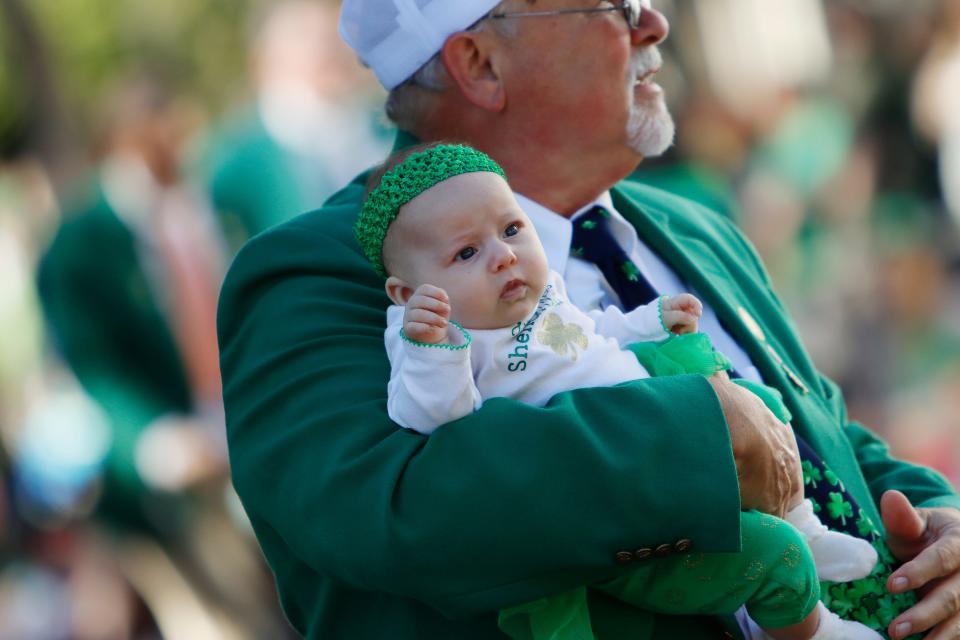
(558, 348)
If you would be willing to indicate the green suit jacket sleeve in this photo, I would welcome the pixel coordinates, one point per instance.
(506, 505)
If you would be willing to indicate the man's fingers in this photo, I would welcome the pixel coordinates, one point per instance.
(940, 608)
(900, 518)
(947, 630)
(941, 558)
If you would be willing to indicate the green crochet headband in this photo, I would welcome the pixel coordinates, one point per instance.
(407, 180)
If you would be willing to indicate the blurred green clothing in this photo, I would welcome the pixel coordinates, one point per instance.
(108, 326)
(696, 182)
(256, 180)
(788, 154)
(256, 183)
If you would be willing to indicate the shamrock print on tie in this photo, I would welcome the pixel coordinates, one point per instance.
(865, 600)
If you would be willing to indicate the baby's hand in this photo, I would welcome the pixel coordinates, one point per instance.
(681, 313)
(426, 315)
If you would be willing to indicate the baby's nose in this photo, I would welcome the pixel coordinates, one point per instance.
(504, 257)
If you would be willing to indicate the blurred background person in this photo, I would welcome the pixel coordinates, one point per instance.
(128, 287)
(313, 123)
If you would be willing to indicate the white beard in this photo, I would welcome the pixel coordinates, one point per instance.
(650, 127)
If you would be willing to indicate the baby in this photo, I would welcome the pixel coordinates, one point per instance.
(478, 314)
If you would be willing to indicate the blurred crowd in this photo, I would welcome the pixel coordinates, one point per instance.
(827, 130)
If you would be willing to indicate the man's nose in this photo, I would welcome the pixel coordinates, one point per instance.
(653, 28)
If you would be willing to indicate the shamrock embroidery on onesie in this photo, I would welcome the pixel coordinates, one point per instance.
(562, 337)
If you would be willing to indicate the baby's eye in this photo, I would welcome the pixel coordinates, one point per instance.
(466, 253)
(512, 229)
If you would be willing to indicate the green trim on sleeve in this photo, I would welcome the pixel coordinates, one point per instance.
(448, 347)
(660, 315)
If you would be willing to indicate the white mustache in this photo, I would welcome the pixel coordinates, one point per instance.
(643, 61)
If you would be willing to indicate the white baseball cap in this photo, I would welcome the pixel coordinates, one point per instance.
(396, 37)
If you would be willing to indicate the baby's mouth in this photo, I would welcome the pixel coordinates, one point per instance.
(514, 289)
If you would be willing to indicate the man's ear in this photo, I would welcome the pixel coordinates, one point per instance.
(470, 60)
(398, 290)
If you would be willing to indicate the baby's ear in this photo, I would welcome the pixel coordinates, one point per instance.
(398, 290)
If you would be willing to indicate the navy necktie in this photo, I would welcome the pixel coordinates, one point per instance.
(862, 599)
(594, 242)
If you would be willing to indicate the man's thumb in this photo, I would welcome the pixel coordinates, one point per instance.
(900, 519)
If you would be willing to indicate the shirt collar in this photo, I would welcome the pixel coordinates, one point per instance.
(556, 231)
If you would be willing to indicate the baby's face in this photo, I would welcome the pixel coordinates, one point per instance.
(468, 236)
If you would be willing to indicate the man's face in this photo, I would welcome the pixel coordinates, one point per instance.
(586, 79)
(468, 236)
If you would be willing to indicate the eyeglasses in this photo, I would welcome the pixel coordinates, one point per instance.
(631, 12)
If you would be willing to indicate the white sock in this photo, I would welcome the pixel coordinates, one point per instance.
(833, 627)
(839, 557)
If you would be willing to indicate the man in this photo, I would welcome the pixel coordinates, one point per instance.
(127, 287)
(373, 531)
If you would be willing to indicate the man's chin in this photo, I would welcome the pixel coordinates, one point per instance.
(650, 135)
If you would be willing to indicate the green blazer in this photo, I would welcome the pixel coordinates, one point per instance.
(374, 531)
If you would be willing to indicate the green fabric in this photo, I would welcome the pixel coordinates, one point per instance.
(773, 575)
(680, 354)
(565, 616)
(694, 353)
(254, 183)
(382, 532)
(698, 182)
(415, 174)
(107, 326)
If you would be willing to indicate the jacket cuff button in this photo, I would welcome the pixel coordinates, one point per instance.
(683, 545)
(623, 557)
(643, 554)
(663, 550)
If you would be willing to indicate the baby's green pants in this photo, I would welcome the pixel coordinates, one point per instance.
(774, 576)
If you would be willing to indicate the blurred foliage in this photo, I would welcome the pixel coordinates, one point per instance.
(196, 47)
(13, 103)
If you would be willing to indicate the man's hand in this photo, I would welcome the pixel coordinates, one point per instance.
(426, 315)
(765, 450)
(928, 542)
(681, 313)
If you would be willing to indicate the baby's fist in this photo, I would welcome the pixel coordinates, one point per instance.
(426, 315)
(681, 313)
